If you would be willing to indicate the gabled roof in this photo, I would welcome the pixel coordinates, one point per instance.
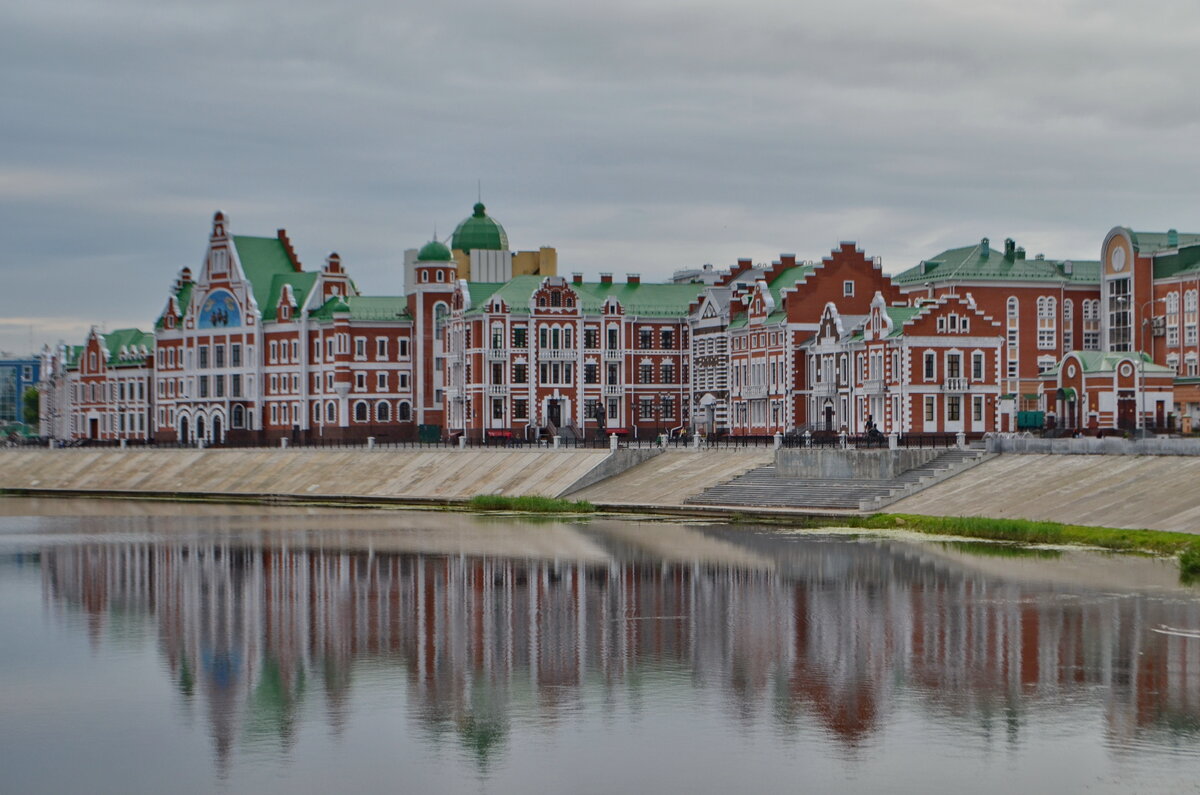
(300, 283)
(263, 259)
(1185, 260)
(183, 297)
(900, 315)
(977, 263)
(786, 279)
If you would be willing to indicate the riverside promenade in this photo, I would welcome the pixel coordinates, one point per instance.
(1127, 485)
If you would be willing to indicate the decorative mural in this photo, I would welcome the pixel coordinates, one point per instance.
(220, 310)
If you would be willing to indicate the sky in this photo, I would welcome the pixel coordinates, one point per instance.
(633, 135)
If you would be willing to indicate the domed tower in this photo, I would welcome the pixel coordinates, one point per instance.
(435, 274)
(479, 231)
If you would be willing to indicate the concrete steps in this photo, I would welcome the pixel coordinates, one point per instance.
(764, 487)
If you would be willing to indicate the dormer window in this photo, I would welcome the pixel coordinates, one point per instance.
(283, 312)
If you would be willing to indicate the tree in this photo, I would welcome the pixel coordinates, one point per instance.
(32, 411)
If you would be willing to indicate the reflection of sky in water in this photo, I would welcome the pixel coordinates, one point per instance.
(191, 654)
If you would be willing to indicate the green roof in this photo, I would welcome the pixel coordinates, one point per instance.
(120, 338)
(377, 307)
(326, 310)
(301, 283)
(644, 300)
(1104, 361)
(784, 280)
(183, 297)
(899, 316)
(974, 263)
(262, 259)
(1153, 242)
(1178, 263)
(479, 231)
(433, 251)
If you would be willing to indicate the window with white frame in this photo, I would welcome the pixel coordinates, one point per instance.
(1189, 317)
(1172, 304)
(381, 381)
(930, 365)
(1068, 318)
(848, 288)
(977, 366)
(360, 348)
(1047, 322)
(977, 408)
(381, 347)
(1045, 363)
(1091, 324)
(360, 382)
(1013, 336)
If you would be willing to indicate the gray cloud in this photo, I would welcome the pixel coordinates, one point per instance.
(633, 136)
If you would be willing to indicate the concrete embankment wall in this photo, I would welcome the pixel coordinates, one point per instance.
(377, 474)
(671, 477)
(1129, 491)
(849, 464)
(1087, 445)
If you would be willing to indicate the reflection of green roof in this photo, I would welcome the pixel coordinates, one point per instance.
(970, 263)
(645, 300)
(262, 259)
(479, 231)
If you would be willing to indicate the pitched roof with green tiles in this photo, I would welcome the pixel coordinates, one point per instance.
(378, 307)
(1105, 361)
(130, 339)
(1153, 242)
(786, 279)
(183, 296)
(900, 315)
(977, 263)
(335, 304)
(300, 283)
(1182, 262)
(263, 259)
(642, 300)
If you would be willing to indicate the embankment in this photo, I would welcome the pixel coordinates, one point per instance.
(384, 475)
(1127, 491)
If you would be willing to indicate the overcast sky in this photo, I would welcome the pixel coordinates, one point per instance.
(636, 135)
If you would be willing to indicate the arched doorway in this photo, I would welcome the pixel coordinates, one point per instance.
(200, 429)
(217, 437)
(183, 429)
(829, 414)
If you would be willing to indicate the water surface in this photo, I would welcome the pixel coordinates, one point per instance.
(157, 647)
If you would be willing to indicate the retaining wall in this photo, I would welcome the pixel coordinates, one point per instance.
(849, 464)
(1087, 445)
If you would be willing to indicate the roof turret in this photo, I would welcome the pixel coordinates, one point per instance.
(479, 231)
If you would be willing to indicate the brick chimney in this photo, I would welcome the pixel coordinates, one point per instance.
(606, 278)
(633, 278)
(577, 278)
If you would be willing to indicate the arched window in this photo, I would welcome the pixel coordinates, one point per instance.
(360, 411)
(383, 411)
(556, 299)
(541, 300)
(440, 311)
(331, 412)
(403, 411)
(316, 412)
(239, 416)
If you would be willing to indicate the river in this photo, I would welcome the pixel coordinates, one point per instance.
(158, 647)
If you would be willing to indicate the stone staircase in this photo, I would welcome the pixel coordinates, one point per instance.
(763, 487)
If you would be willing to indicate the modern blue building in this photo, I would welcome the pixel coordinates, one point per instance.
(16, 375)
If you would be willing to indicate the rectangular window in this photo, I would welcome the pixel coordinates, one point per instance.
(613, 408)
(381, 381)
(848, 289)
(668, 373)
(219, 356)
(360, 382)
(235, 385)
(403, 381)
(646, 409)
(646, 374)
(219, 384)
(203, 357)
(497, 372)
(668, 338)
(497, 408)
(977, 408)
(274, 352)
(274, 414)
(929, 408)
(360, 348)
(591, 373)
(930, 365)
(295, 350)
(954, 366)
(274, 384)
(645, 338)
(203, 386)
(520, 337)
(402, 348)
(977, 366)
(953, 408)
(591, 338)
(520, 409)
(520, 373)
(612, 338)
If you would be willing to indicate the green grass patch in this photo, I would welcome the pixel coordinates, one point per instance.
(1031, 532)
(497, 502)
(1189, 560)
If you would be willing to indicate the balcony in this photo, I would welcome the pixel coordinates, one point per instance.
(874, 386)
(824, 388)
(498, 390)
(614, 354)
(754, 391)
(956, 385)
(614, 390)
(557, 354)
(498, 354)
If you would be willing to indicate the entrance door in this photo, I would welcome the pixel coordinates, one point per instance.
(200, 429)
(554, 412)
(183, 430)
(1159, 420)
(94, 428)
(1126, 411)
(829, 416)
(216, 430)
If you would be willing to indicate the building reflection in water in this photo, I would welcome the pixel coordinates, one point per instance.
(830, 634)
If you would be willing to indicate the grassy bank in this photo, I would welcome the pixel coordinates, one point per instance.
(495, 502)
(1030, 532)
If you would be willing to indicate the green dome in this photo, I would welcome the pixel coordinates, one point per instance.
(433, 251)
(479, 231)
